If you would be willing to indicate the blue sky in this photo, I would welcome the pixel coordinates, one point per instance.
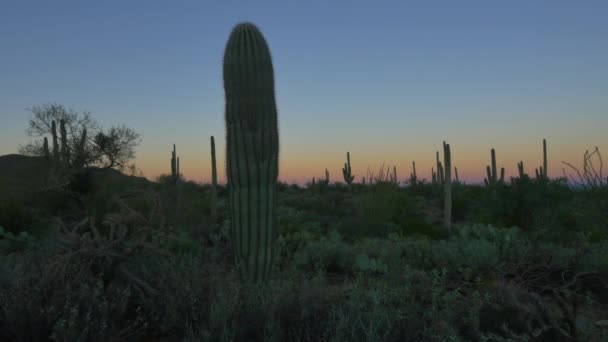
(385, 80)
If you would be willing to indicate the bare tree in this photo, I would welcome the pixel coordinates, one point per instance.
(115, 148)
(591, 178)
(87, 143)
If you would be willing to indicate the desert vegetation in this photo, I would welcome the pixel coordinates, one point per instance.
(92, 252)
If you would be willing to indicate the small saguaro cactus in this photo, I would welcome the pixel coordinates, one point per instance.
(520, 169)
(543, 169)
(79, 159)
(174, 166)
(439, 169)
(456, 173)
(413, 178)
(492, 177)
(326, 177)
(45, 149)
(55, 142)
(393, 176)
(546, 174)
(347, 172)
(440, 175)
(65, 150)
(213, 194)
(447, 187)
(433, 176)
(252, 151)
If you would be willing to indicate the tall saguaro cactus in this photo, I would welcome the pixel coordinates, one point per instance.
(413, 179)
(45, 149)
(347, 172)
(65, 150)
(252, 150)
(440, 174)
(213, 200)
(492, 174)
(79, 159)
(174, 166)
(55, 142)
(544, 168)
(447, 187)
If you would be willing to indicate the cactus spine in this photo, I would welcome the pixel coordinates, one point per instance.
(447, 208)
(347, 171)
(252, 150)
(213, 204)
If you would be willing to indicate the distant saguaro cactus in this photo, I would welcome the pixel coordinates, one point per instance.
(543, 169)
(213, 204)
(65, 150)
(520, 169)
(447, 187)
(413, 178)
(79, 159)
(174, 166)
(492, 175)
(252, 150)
(347, 172)
(55, 142)
(45, 149)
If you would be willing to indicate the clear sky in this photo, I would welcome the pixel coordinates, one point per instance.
(388, 81)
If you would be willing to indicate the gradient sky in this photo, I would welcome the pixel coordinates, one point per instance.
(386, 80)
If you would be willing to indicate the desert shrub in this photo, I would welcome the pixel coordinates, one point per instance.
(329, 253)
(379, 211)
(15, 217)
(419, 227)
(54, 296)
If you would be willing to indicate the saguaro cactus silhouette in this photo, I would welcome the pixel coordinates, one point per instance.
(213, 197)
(65, 150)
(413, 179)
(174, 166)
(55, 143)
(252, 150)
(347, 172)
(45, 149)
(447, 187)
